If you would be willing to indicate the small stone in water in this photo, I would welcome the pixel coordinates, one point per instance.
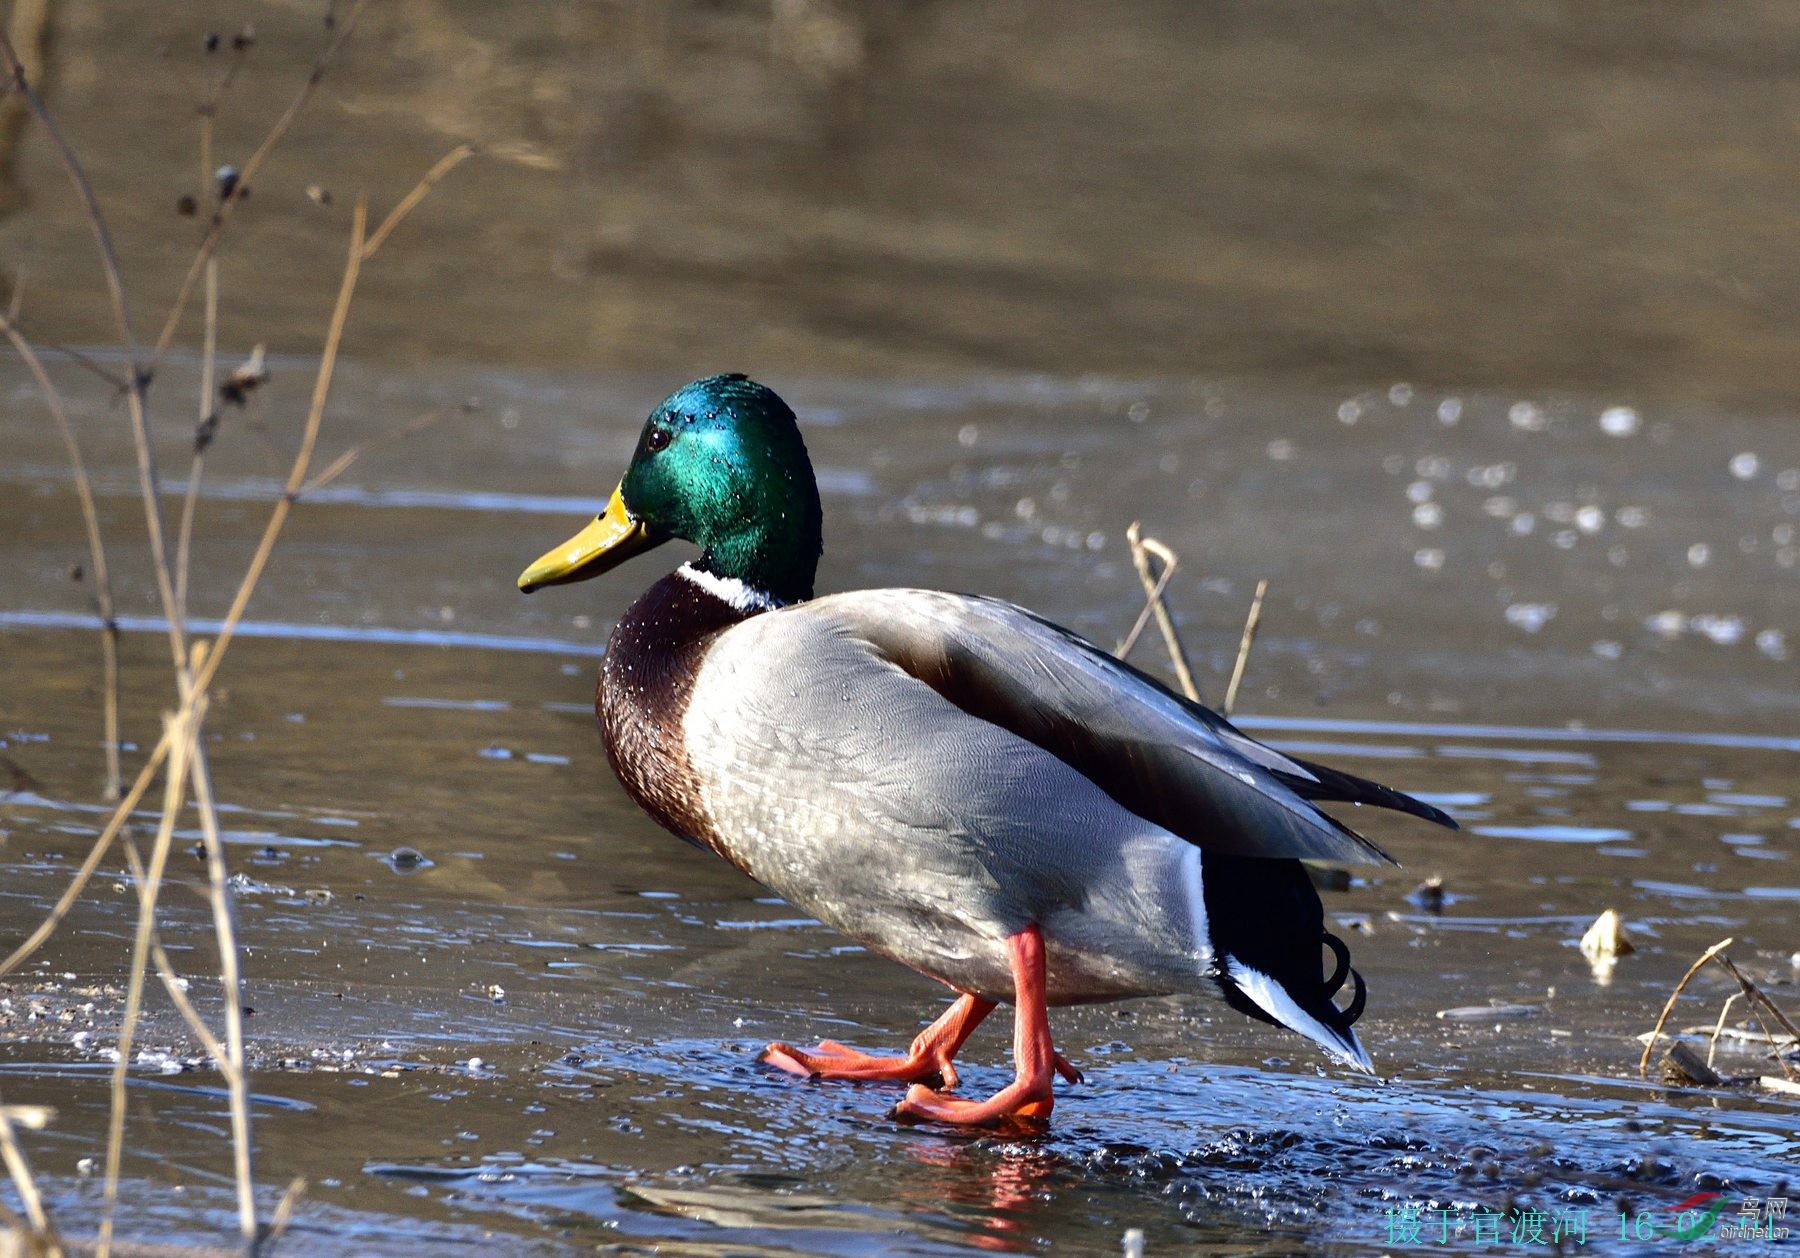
(1606, 938)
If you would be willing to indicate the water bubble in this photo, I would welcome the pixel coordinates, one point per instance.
(1525, 416)
(1430, 559)
(1428, 515)
(1433, 467)
(1138, 412)
(1669, 624)
(1565, 539)
(1523, 523)
(1788, 478)
(1419, 491)
(1530, 617)
(1349, 411)
(1590, 519)
(1281, 449)
(1632, 517)
(1617, 555)
(967, 435)
(1449, 411)
(1699, 554)
(1619, 421)
(1607, 649)
(1559, 512)
(1025, 508)
(1745, 466)
(1400, 394)
(1772, 643)
(1500, 507)
(1096, 541)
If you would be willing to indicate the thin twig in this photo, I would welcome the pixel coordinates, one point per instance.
(179, 727)
(302, 461)
(338, 466)
(202, 438)
(171, 980)
(230, 978)
(447, 163)
(1656, 1031)
(248, 172)
(1142, 548)
(136, 393)
(20, 1169)
(121, 814)
(1244, 644)
(90, 517)
(1754, 997)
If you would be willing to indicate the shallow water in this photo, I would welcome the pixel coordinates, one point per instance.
(546, 1028)
(1460, 326)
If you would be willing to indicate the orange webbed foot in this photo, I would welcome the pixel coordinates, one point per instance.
(831, 1060)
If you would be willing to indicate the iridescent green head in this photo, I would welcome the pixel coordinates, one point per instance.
(721, 464)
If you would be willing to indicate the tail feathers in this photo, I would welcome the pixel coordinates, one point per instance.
(1311, 1013)
(1334, 785)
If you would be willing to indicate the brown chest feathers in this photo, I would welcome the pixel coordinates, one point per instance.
(646, 683)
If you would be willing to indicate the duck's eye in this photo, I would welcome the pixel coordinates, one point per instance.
(657, 440)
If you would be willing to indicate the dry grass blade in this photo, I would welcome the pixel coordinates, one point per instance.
(1142, 548)
(19, 1168)
(222, 215)
(1251, 625)
(1669, 1007)
(90, 518)
(447, 163)
(1712, 1043)
(284, 1214)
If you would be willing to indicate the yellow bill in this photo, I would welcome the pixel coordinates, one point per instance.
(613, 537)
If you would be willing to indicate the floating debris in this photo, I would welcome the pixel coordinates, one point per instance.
(1683, 1067)
(1606, 938)
(1429, 895)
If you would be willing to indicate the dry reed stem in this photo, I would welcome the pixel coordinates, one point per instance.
(179, 727)
(447, 163)
(121, 814)
(171, 979)
(1251, 624)
(231, 979)
(90, 518)
(1712, 1044)
(184, 542)
(222, 215)
(1142, 548)
(302, 461)
(135, 393)
(44, 1231)
(1753, 997)
(1661, 1021)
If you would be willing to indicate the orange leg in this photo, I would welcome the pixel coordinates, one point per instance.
(929, 1057)
(1035, 1059)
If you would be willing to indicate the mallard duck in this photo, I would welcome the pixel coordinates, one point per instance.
(956, 783)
